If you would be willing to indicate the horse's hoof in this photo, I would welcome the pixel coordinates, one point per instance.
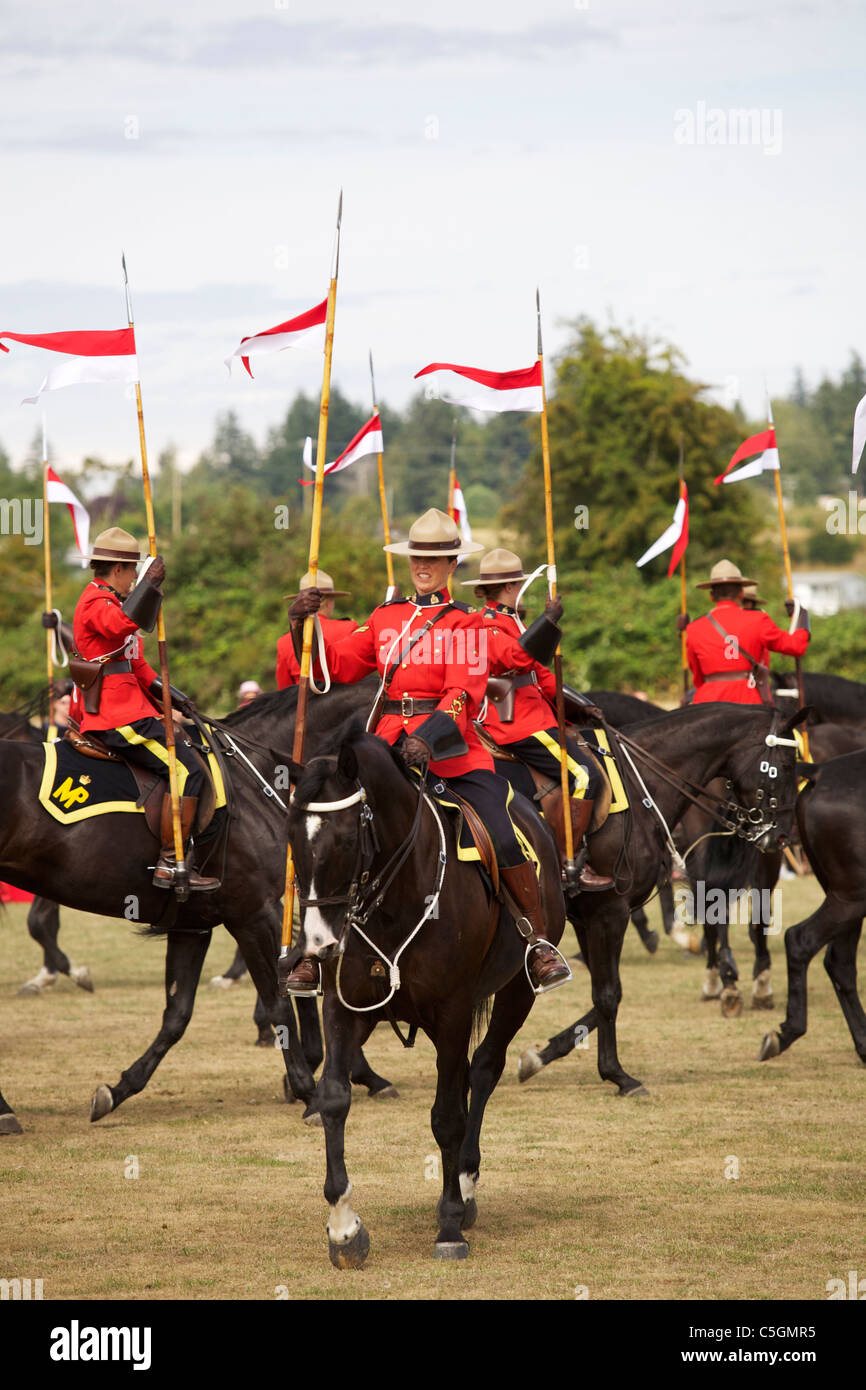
(9, 1124)
(265, 1040)
(470, 1214)
(712, 986)
(81, 976)
(529, 1065)
(451, 1250)
(770, 1047)
(353, 1253)
(731, 1001)
(313, 1119)
(763, 1001)
(221, 982)
(651, 942)
(43, 980)
(686, 940)
(386, 1093)
(638, 1090)
(102, 1103)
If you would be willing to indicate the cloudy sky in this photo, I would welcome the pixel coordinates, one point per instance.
(584, 145)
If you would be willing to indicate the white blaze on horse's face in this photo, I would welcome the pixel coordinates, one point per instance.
(317, 933)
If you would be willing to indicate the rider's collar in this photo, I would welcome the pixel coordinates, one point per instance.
(494, 607)
(100, 584)
(434, 600)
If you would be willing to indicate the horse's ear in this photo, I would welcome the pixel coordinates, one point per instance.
(794, 719)
(347, 762)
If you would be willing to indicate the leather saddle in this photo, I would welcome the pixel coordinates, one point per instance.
(550, 792)
(150, 786)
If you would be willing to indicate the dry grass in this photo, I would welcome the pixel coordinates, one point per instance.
(626, 1197)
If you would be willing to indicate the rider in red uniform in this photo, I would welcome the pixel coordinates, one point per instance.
(333, 629)
(434, 689)
(106, 626)
(532, 734)
(719, 664)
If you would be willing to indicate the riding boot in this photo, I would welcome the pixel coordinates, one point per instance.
(547, 969)
(163, 876)
(304, 981)
(581, 815)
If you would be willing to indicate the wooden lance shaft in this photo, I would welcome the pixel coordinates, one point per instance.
(683, 652)
(551, 580)
(315, 534)
(177, 835)
(798, 665)
(46, 539)
(383, 500)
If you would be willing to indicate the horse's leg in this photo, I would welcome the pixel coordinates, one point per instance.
(233, 975)
(448, 1119)
(840, 962)
(605, 932)
(730, 998)
(43, 924)
(666, 903)
(510, 1008)
(712, 986)
(311, 1032)
(769, 866)
(263, 1023)
(532, 1059)
(258, 939)
(649, 938)
(184, 958)
(348, 1241)
(802, 942)
(8, 1122)
(378, 1087)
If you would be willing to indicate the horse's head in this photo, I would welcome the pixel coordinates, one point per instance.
(335, 827)
(762, 780)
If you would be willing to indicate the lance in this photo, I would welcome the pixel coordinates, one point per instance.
(181, 876)
(46, 540)
(452, 479)
(783, 530)
(386, 529)
(683, 657)
(571, 870)
(313, 566)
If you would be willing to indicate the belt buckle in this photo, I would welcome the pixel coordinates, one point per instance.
(406, 703)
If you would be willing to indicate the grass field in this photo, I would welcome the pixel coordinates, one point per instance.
(580, 1190)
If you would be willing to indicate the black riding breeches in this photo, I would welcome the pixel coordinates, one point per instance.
(541, 751)
(143, 742)
(488, 795)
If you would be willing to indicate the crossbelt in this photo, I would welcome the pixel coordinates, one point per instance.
(734, 676)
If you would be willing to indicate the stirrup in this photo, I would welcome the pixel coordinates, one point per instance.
(545, 989)
(310, 991)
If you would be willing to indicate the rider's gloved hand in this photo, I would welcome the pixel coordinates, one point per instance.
(49, 620)
(155, 572)
(683, 621)
(553, 609)
(415, 752)
(307, 602)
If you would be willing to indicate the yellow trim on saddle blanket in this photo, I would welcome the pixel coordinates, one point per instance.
(470, 852)
(59, 801)
(598, 738)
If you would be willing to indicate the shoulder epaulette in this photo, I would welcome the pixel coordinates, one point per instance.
(389, 601)
(462, 607)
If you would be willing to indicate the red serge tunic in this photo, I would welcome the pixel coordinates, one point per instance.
(755, 633)
(533, 704)
(100, 627)
(448, 664)
(288, 665)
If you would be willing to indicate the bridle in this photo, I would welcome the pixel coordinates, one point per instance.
(365, 895)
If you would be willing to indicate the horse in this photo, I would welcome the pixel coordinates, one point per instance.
(676, 756)
(43, 917)
(830, 817)
(831, 699)
(393, 911)
(101, 866)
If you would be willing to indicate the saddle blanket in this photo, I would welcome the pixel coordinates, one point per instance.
(74, 788)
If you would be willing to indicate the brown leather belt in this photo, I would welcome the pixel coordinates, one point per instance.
(528, 678)
(117, 668)
(734, 676)
(408, 706)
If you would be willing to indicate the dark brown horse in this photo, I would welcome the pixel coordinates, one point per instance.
(401, 919)
(698, 744)
(831, 814)
(104, 866)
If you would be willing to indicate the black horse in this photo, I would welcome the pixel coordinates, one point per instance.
(697, 744)
(400, 919)
(830, 816)
(102, 867)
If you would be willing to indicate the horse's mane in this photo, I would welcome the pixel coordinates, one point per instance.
(284, 701)
(351, 732)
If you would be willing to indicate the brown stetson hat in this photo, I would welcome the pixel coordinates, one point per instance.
(497, 567)
(116, 546)
(750, 592)
(324, 583)
(724, 573)
(434, 535)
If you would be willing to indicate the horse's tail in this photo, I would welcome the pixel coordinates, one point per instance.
(481, 1012)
